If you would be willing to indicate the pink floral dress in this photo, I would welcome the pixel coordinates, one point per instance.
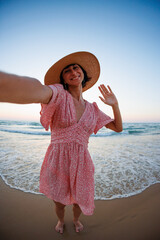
(67, 172)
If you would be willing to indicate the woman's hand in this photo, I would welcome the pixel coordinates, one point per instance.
(110, 99)
(108, 96)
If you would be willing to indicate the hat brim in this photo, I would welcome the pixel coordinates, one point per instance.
(86, 59)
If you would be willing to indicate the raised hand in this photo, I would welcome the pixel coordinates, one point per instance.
(108, 96)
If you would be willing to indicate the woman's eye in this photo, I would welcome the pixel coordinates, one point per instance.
(67, 70)
(75, 67)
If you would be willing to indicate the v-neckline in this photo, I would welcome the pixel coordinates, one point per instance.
(74, 110)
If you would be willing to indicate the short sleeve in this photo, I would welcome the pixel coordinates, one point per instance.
(101, 118)
(47, 110)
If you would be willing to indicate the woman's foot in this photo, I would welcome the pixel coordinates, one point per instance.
(60, 227)
(78, 226)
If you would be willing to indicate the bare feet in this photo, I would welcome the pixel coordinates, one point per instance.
(78, 226)
(59, 227)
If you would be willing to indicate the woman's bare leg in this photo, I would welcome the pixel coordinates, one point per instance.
(59, 207)
(76, 214)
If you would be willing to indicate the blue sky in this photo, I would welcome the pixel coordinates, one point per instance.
(124, 35)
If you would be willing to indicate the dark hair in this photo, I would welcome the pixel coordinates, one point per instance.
(85, 80)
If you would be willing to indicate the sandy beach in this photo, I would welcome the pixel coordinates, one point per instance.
(28, 216)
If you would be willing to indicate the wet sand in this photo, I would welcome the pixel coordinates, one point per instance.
(29, 216)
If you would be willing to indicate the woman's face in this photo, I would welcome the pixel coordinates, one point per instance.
(73, 75)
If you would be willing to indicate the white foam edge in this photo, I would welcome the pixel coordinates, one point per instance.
(127, 195)
(19, 188)
(95, 198)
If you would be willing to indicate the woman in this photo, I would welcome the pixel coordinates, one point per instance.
(67, 172)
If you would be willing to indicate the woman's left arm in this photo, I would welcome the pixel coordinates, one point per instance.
(110, 99)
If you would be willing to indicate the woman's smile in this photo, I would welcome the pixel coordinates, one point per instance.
(75, 78)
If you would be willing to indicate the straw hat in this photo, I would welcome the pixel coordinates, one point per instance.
(85, 59)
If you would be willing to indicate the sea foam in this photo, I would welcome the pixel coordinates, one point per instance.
(125, 163)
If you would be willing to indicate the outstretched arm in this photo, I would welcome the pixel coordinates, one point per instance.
(110, 99)
(23, 90)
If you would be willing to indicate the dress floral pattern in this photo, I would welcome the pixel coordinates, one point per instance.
(67, 172)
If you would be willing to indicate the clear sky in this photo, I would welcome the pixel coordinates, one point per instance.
(124, 35)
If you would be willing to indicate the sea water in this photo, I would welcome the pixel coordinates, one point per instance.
(126, 163)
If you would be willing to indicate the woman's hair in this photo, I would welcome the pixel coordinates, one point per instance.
(86, 78)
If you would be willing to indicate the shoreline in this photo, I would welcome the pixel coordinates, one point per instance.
(31, 216)
(103, 199)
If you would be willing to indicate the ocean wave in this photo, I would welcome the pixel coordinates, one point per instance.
(25, 132)
(99, 134)
(19, 123)
(35, 128)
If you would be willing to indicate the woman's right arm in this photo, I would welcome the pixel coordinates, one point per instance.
(23, 90)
